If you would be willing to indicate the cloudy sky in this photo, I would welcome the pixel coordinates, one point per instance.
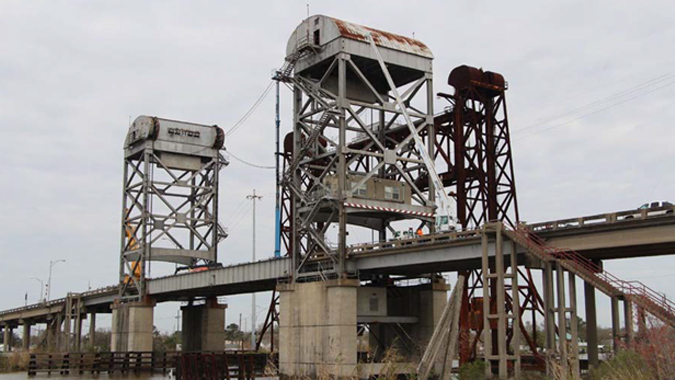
(590, 105)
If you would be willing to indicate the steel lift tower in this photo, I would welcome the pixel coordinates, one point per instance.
(356, 170)
(169, 207)
(353, 160)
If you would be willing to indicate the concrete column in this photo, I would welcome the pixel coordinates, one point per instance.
(432, 301)
(6, 338)
(203, 326)
(562, 319)
(549, 312)
(25, 344)
(57, 333)
(591, 325)
(78, 333)
(92, 329)
(317, 334)
(628, 320)
(574, 326)
(132, 326)
(615, 324)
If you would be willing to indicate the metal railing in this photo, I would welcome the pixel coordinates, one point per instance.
(58, 301)
(425, 240)
(602, 219)
(575, 262)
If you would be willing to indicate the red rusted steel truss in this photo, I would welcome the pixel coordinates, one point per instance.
(473, 157)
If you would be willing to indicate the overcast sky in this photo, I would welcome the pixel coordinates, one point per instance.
(590, 105)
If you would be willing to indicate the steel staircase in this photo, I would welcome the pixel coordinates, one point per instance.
(304, 48)
(641, 295)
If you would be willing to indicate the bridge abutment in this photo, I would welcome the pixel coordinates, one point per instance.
(203, 326)
(132, 326)
(318, 334)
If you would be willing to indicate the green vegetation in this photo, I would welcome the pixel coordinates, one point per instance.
(625, 365)
(472, 371)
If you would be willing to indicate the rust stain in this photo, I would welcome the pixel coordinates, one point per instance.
(380, 37)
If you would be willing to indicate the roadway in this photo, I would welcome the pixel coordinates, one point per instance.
(626, 234)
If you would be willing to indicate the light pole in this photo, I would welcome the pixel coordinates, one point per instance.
(41, 298)
(49, 280)
(253, 198)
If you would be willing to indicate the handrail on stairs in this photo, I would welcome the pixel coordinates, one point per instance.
(634, 290)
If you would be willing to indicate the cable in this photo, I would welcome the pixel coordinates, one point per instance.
(584, 115)
(235, 211)
(249, 163)
(250, 111)
(235, 224)
(609, 99)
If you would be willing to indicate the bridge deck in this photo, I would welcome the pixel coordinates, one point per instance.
(633, 233)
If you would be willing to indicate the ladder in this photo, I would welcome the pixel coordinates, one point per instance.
(648, 299)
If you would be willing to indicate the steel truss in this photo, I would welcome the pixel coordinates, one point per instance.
(324, 122)
(473, 145)
(169, 214)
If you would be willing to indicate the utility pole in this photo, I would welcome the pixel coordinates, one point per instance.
(241, 334)
(253, 198)
(49, 280)
(277, 206)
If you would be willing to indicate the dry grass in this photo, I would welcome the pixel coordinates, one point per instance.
(17, 361)
(558, 372)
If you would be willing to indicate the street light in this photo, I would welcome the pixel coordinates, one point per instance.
(49, 280)
(42, 288)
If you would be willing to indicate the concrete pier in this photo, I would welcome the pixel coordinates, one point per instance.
(25, 339)
(591, 325)
(7, 338)
(410, 317)
(318, 333)
(132, 326)
(92, 330)
(203, 326)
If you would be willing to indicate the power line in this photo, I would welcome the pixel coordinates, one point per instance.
(631, 90)
(587, 114)
(250, 111)
(250, 163)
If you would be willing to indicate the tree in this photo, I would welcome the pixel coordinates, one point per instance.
(232, 332)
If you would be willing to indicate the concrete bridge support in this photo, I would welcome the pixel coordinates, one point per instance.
(616, 327)
(92, 329)
(54, 333)
(25, 339)
(203, 326)
(425, 303)
(318, 332)
(591, 325)
(7, 338)
(132, 326)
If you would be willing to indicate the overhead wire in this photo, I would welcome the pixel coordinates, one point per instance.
(639, 87)
(250, 163)
(616, 100)
(250, 110)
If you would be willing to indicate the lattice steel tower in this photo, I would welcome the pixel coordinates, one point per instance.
(170, 199)
(352, 161)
